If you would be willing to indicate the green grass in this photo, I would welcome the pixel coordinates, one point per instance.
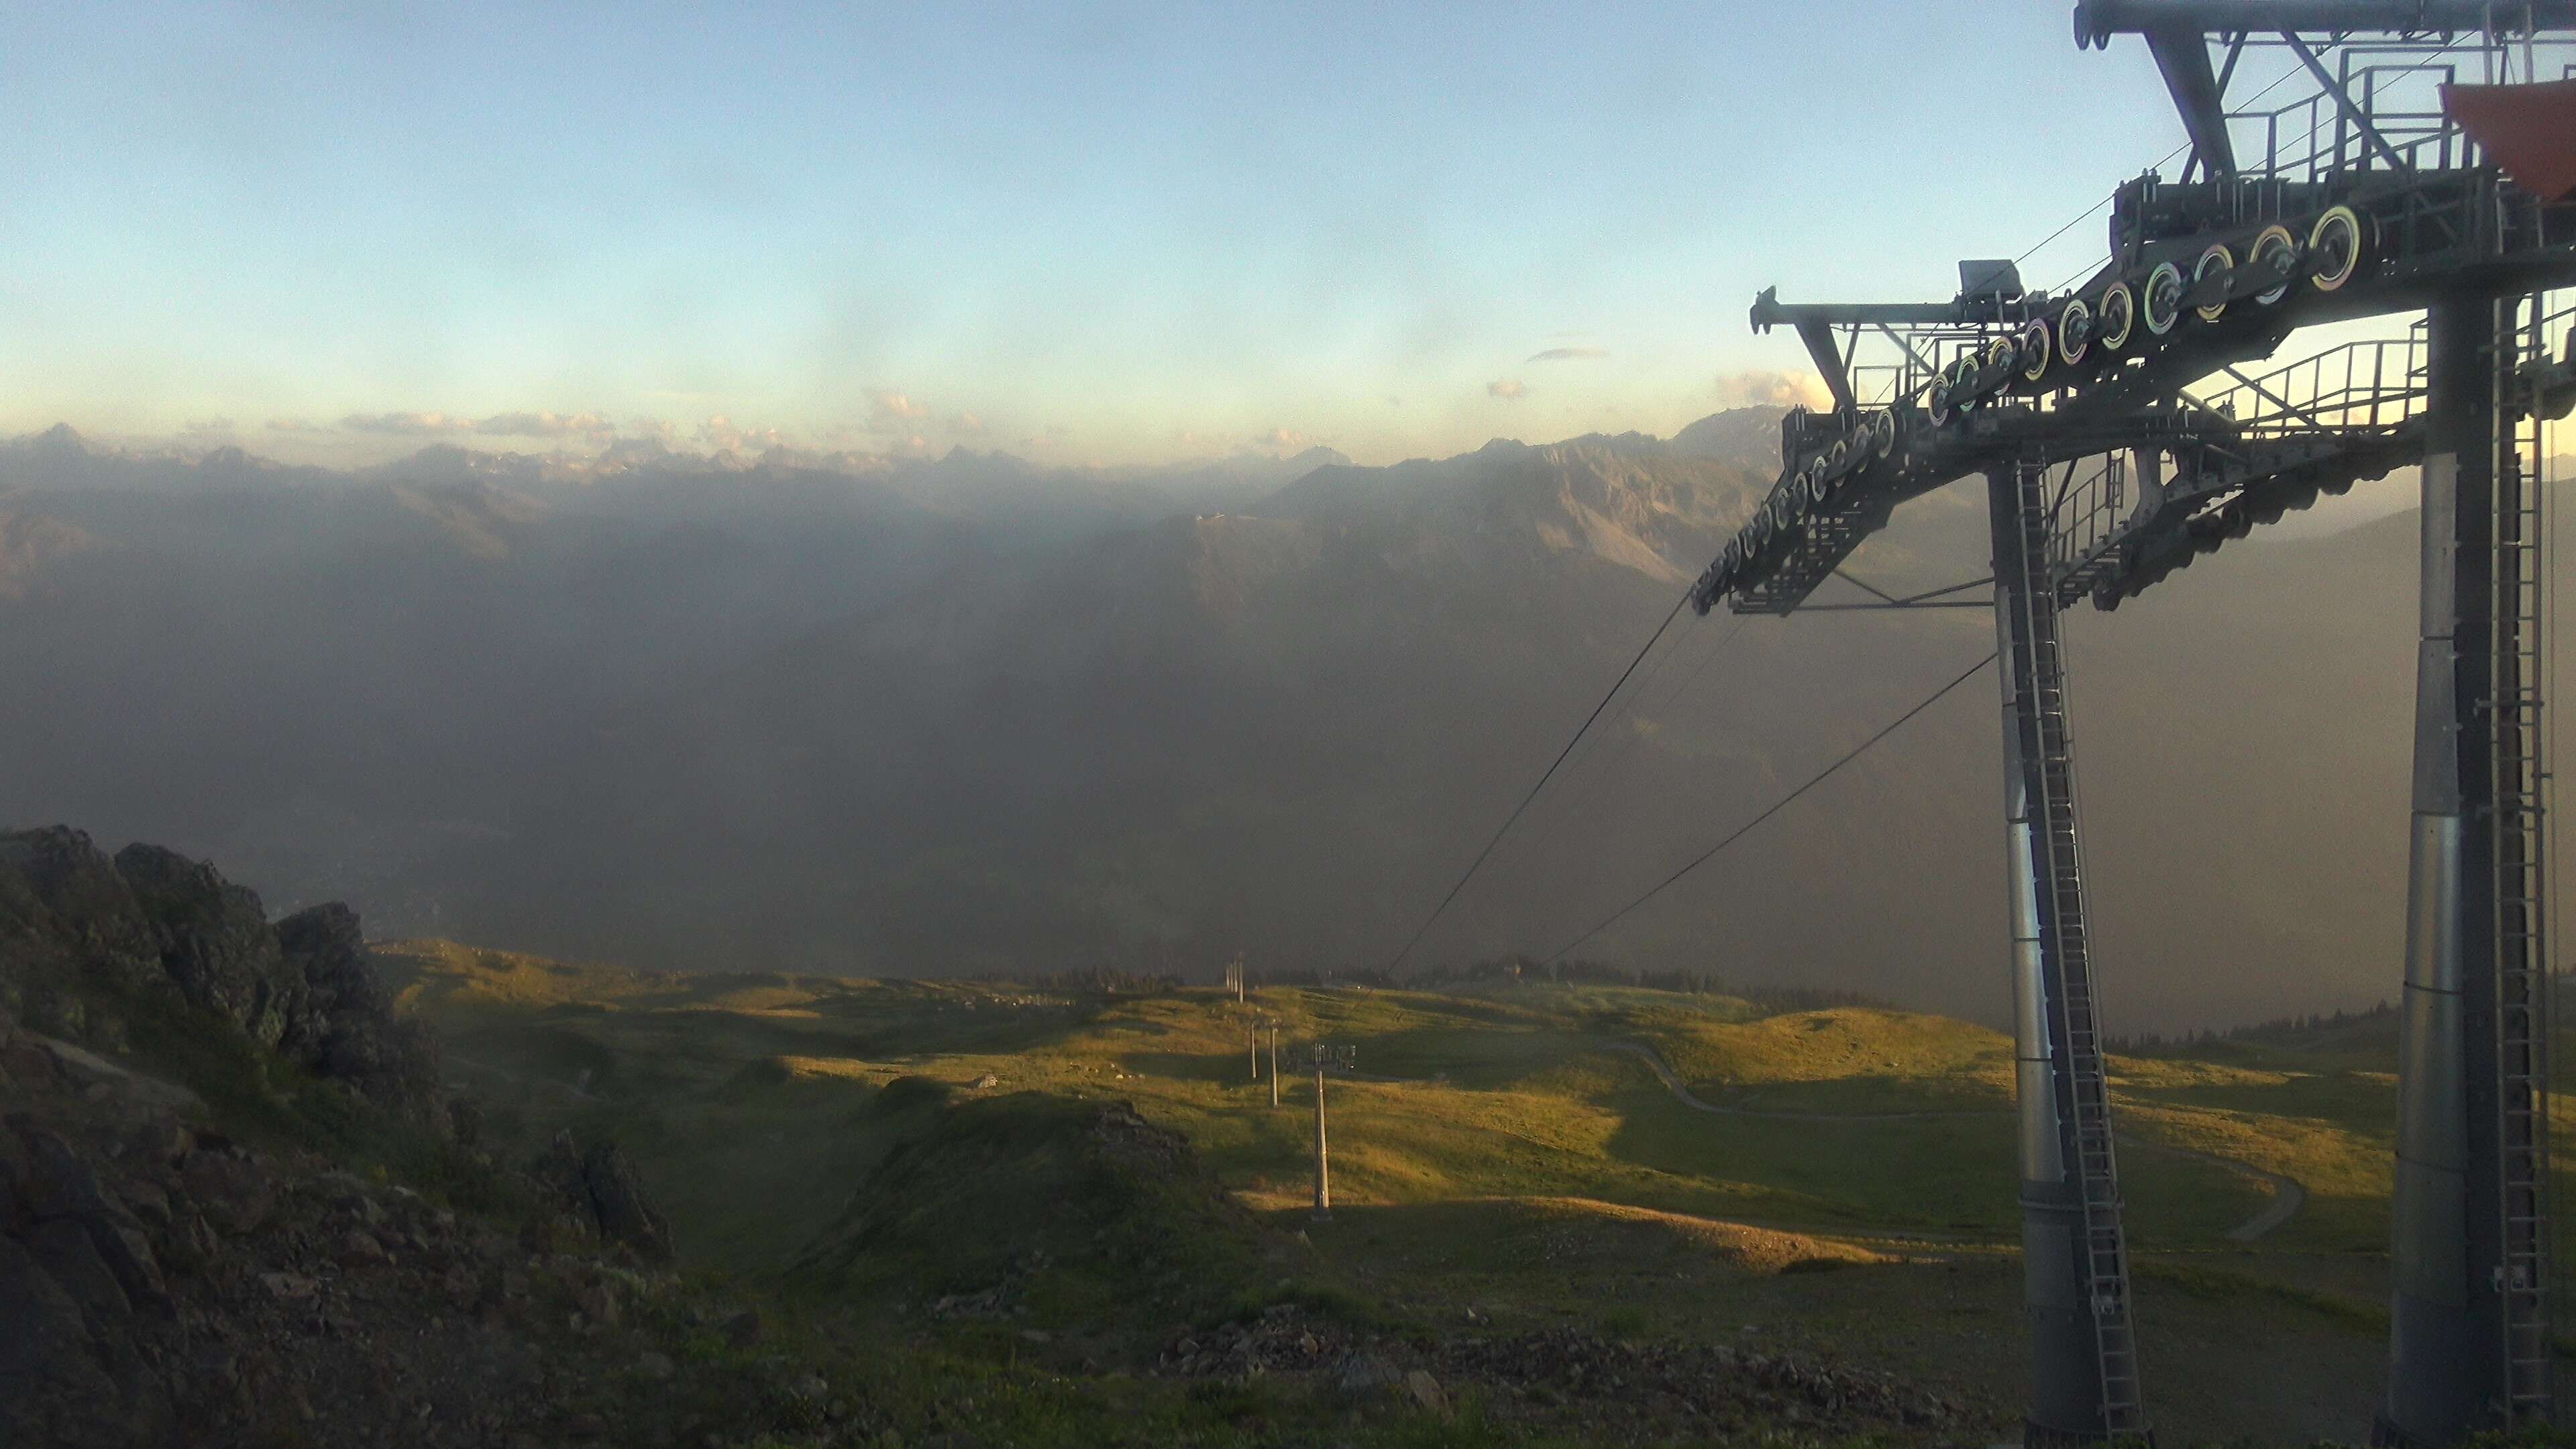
(1516, 1091)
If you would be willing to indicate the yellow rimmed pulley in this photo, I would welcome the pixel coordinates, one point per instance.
(2074, 332)
(2335, 245)
(2160, 307)
(2218, 260)
(2115, 317)
(2272, 242)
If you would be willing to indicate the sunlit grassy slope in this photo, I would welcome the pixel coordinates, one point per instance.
(746, 1095)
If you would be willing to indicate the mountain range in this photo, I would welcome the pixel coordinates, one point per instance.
(968, 714)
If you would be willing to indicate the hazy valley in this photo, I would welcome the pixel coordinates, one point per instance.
(964, 715)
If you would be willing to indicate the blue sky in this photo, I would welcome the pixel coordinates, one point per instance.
(1085, 232)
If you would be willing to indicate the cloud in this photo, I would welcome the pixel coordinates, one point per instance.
(208, 428)
(725, 436)
(1569, 354)
(1762, 387)
(295, 425)
(968, 424)
(893, 408)
(1286, 440)
(545, 425)
(407, 425)
(1507, 387)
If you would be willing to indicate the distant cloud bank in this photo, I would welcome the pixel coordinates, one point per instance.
(1764, 388)
(1570, 354)
(1510, 388)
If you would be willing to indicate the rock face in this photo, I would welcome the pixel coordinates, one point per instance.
(604, 1192)
(153, 921)
(215, 942)
(63, 904)
(359, 1039)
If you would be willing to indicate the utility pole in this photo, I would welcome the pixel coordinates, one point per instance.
(1274, 1064)
(1252, 1039)
(1325, 1055)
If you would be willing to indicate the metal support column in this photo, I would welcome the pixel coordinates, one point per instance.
(2468, 1332)
(2084, 1373)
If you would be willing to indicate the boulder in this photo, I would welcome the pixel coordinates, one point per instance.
(355, 1037)
(1361, 1374)
(231, 1191)
(215, 943)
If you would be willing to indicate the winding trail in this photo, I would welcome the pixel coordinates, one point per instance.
(2287, 1195)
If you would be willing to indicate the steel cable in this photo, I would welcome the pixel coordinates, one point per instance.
(1783, 803)
(1553, 766)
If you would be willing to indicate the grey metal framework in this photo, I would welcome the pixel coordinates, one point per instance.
(2121, 435)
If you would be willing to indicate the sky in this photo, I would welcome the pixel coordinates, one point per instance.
(1085, 233)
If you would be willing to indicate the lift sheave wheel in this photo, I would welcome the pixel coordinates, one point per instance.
(2036, 350)
(2074, 332)
(2002, 360)
(1936, 401)
(1882, 434)
(2115, 317)
(2334, 247)
(2274, 241)
(2219, 261)
(2162, 304)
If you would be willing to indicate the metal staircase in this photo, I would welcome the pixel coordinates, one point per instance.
(2076, 1037)
(2522, 1021)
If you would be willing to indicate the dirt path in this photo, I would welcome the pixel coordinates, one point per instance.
(2287, 1195)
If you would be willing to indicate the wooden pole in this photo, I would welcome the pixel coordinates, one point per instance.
(1323, 1168)
(1274, 1064)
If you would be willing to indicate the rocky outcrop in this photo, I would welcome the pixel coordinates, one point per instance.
(152, 921)
(216, 944)
(607, 1197)
(64, 905)
(162, 1285)
(358, 1039)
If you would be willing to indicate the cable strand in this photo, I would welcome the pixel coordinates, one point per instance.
(1552, 768)
(1777, 806)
